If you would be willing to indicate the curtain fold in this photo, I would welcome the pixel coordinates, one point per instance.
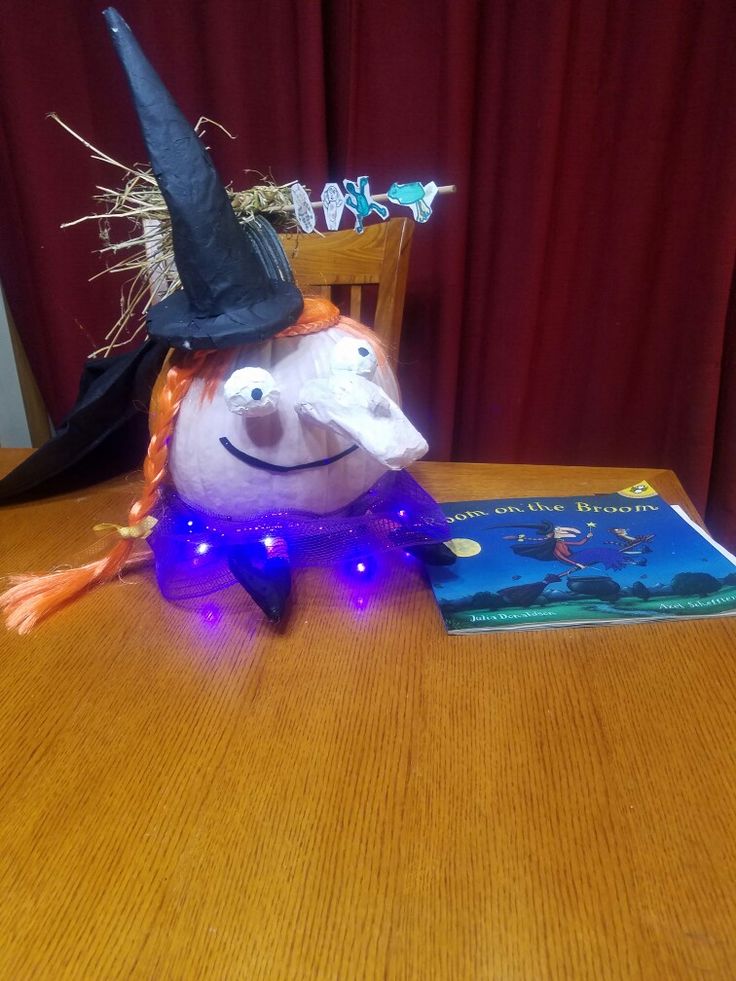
(568, 305)
(721, 508)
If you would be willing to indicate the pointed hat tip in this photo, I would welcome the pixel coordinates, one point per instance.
(232, 292)
(116, 25)
(113, 18)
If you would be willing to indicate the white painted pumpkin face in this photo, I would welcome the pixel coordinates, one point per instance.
(248, 449)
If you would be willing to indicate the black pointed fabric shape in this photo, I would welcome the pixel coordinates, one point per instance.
(105, 434)
(266, 579)
(433, 553)
(237, 284)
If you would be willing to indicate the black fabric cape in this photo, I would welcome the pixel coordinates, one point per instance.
(105, 434)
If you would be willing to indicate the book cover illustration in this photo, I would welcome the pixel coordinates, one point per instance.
(537, 562)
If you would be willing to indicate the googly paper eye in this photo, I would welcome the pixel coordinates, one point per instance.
(251, 392)
(354, 354)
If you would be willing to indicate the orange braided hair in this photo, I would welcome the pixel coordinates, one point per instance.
(318, 314)
(31, 598)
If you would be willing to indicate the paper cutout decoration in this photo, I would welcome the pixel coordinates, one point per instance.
(303, 210)
(416, 196)
(360, 202)
(333, 204)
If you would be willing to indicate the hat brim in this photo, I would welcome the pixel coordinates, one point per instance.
(176, 323)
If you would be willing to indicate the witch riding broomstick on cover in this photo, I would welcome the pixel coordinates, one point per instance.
(558, 543)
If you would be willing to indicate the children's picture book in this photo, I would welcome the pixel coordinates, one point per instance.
(570, 561)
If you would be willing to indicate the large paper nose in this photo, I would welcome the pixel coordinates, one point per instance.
(361, 411)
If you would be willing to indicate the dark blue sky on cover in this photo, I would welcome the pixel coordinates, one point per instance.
(676, 546)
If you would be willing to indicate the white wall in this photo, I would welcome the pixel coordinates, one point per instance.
(14, 430)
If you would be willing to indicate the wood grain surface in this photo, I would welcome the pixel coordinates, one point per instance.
(189, 793)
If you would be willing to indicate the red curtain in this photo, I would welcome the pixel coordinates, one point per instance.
(569, 305)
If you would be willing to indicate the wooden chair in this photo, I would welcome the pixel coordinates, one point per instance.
(379, 256)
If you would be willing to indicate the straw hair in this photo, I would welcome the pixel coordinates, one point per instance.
(31, 598)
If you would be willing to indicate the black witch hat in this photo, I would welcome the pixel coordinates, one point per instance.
(237, 287)
(237, 282)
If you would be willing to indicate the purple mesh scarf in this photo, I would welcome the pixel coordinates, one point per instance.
(191, 546)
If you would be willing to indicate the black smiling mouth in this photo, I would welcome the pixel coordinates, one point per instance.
(253, 461)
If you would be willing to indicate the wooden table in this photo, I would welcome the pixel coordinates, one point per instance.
(189, 793)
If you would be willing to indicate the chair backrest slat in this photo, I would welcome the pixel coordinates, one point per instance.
(380, 256)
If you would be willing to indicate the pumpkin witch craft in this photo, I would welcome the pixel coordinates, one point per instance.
(275, 434)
